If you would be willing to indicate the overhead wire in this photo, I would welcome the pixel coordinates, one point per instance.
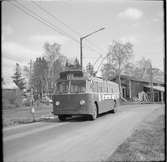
(102, 61)
(42, 20)
(69, 27)
(46, 22)
(60, 21)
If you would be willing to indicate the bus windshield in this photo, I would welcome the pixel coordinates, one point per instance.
(76, 86)
(62, 87)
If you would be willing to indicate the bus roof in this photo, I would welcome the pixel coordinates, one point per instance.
(102, 80)
(81, 75)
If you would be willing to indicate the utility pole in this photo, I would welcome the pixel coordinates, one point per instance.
(81, 52)
(30, 75)
(81, 39)
(152, 90)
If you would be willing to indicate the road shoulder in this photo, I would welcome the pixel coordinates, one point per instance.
(146, 143)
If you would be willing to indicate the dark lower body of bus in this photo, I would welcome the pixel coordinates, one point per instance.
(86, 104)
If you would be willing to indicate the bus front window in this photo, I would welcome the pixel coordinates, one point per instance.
(78, 86)
(62, 87)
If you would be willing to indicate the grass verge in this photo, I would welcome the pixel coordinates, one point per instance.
(23, 115)
(147, 143)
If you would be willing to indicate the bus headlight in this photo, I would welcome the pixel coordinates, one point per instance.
(82, 102)
(57, 103)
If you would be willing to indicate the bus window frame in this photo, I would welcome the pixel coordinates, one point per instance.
(58, 88)
(73, 81)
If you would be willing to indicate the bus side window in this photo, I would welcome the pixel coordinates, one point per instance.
(91, 86)
(101, 88)
(106, 87)
(110, 89)
(96, 89)
(88, 86)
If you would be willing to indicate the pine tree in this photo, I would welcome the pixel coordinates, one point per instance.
(18, 79)
(76, 63)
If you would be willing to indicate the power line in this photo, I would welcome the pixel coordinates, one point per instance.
(69, 27)
(49, 13)
(97, 60)
(42, 20)
(102, 61)
(60, 21)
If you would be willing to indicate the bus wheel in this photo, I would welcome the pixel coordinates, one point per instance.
(62, 117)
(94, 115)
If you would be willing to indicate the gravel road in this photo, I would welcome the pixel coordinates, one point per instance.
(74, 140)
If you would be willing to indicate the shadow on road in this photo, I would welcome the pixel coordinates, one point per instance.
(78, 118)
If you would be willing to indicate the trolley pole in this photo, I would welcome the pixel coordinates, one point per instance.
(30, 75)
(81, 39)
(81, 52)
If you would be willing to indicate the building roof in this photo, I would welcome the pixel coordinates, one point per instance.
(140, 80)
(9, 86)
(159, 88)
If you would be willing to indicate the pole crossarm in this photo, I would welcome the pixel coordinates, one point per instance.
(91, 33)
(84, 38)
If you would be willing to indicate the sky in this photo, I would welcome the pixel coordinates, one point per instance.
(23, 37)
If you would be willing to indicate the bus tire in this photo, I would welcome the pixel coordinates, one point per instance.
(62, 117)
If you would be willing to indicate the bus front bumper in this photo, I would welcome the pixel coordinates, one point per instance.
(82, 110)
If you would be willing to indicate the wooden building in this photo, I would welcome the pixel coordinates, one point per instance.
(131, 88)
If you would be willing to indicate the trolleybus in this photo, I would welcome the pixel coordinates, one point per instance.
(78, 93)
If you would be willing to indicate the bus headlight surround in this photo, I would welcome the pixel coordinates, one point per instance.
(82, 102)
(57, 103)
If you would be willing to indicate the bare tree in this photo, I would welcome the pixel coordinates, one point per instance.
(90, 69)
(39, 75)
(56, 62)
(52, 53)
(142, 69)
(118, 57)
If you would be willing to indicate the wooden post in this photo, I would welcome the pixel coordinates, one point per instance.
(130, 90)
(162, 97)
(120, 87)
